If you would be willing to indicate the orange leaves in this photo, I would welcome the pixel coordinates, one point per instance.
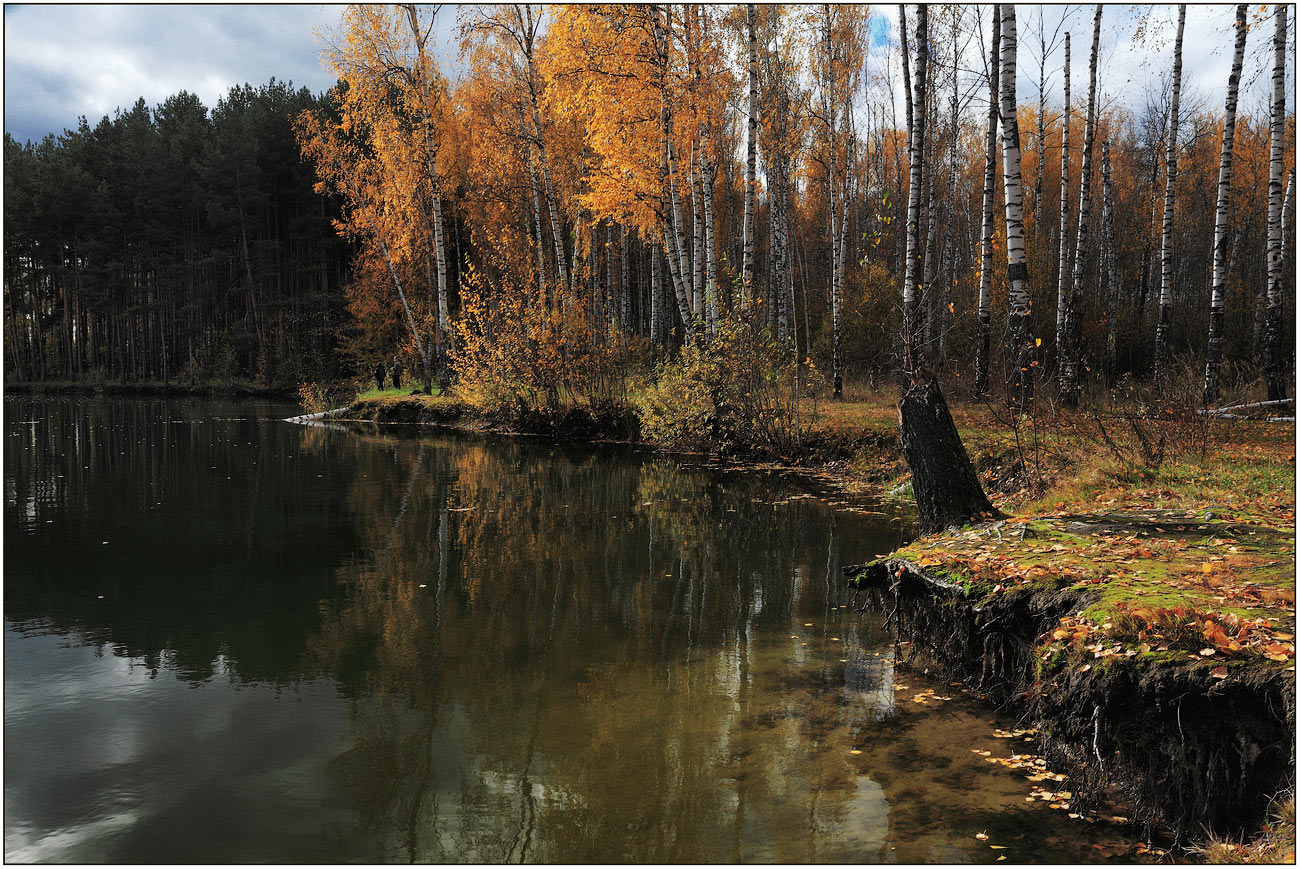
(1139, 630)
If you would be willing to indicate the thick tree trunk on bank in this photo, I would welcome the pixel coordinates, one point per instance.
(943, 480)
(944, 483)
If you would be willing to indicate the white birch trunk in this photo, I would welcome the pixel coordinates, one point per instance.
(751, 150)
(1021, 385)
(1219, 273)
(916, 150)
(984, 307)
(1108, 257)
(709, 175)
(1164, 311)
(1063, 272)
(1069, 384)
(1274, 361)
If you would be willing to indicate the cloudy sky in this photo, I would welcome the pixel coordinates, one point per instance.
(62, 61)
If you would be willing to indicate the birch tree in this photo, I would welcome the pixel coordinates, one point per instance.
(1274, 372)
(1109, 262)
(1069, 353)
(1219, 274)
(751, 155)
(1165, 306)
(916, 153)
(944, 483)
(1021, 389)
(986, 238)
(1063, 272)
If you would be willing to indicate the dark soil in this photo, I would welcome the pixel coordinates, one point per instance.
(1191, 754)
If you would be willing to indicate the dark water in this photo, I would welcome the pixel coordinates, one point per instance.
(231, 638)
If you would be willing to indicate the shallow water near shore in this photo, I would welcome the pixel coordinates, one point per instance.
(231, 638)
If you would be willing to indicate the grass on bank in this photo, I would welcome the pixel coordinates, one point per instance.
(1180, 527)
(1275, 844)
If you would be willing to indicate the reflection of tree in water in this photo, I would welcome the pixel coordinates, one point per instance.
(169, 531)
(579, 671)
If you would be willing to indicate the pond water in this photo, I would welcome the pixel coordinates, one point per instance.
(231, 638)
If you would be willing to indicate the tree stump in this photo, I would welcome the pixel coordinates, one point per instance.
(943, 480)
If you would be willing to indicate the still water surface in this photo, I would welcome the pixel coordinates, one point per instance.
(232, 638)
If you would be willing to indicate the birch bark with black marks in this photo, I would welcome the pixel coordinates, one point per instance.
(1274, 352)
(751, 155)
(424, 88)
(679, 235)
(916, 152)
(543, 294)
(528, 31)
(666, 223)
(1069, 383)
(655, 282)
(708, 176)
(1219, 272)
(697, 239)
(1021, 385)
(986, 240)
(947, 257)
(1109, 261)
(1062, 275)
(1164, 315)
(1042, 113)
(837, 289)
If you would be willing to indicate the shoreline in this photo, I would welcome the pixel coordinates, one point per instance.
(151, 389)
(1194, 751)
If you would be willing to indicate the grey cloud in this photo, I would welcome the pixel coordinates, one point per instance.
(64, 61)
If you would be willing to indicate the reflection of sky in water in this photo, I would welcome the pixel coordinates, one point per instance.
(107, 762)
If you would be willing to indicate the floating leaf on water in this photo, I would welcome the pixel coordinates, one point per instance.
(982, 836)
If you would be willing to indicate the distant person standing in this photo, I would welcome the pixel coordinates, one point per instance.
(396, 370)
(379, 375)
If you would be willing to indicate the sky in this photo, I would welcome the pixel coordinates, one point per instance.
(63, 61)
